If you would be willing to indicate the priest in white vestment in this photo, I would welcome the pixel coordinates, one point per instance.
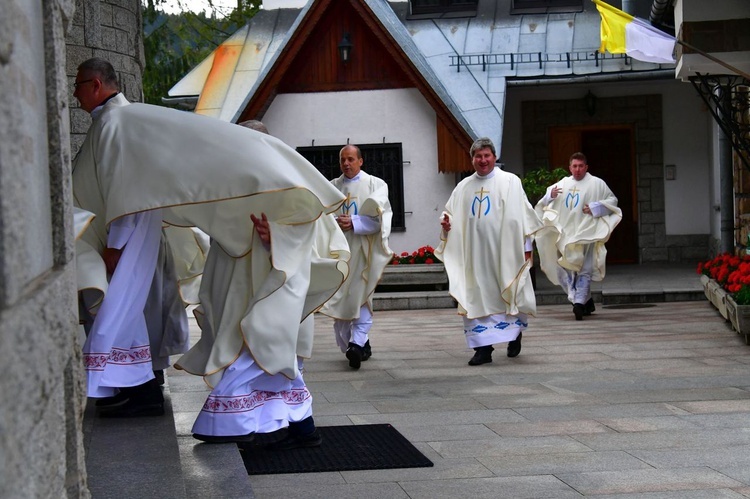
(486, 248)
(246, 397)
(144, 166)
(579, 213)
(365, 217)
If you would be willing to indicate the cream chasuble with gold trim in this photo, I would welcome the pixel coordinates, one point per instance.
(211, 174)
(370, 253)
(568, 229)
(484, 250)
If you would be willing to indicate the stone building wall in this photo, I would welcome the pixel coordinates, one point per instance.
(41, 449)
(644, 112)
(41, 44)
(112, 30)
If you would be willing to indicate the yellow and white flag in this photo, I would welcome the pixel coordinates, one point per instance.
(624, 34)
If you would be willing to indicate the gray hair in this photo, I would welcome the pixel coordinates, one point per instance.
(101, 69)
(482, 143)
(256, 125)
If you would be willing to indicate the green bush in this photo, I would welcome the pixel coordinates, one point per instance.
(536, 181)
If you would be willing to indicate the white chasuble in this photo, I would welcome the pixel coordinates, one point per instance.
(210, 174)
(568, 230)
(365, 196)
(483, 252)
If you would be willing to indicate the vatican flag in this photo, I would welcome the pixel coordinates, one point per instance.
(624, 34)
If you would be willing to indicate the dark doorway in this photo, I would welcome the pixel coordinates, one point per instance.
(610, 154)
(610, 157)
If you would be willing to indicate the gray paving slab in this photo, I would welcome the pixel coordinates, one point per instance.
(646, 403)
(679, 494)
(517, 487)
(647, 480)
(562, 462)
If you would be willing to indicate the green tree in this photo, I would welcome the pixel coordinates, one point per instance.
(536, 181)
(175, 43)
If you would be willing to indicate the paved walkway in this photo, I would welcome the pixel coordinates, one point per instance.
(637, 401)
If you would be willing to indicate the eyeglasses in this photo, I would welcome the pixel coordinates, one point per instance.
(79, 83)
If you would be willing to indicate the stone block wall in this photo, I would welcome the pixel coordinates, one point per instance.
(112, 30)
(41, 450)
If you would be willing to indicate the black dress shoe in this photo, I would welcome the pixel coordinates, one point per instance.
(366, 351)
(354, 353)
(482, 355)
(292, 441)
(578, 311)
(132, 409)
(514, 347)
(224, 439)
(118, 399)
(589, 307)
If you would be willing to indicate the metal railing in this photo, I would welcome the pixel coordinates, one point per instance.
(539, 58)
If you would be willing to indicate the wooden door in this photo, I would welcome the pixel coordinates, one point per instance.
(610, 154)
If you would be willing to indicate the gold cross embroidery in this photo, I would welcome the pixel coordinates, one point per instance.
(347, 203)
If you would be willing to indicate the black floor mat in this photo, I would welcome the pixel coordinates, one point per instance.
(357, 447)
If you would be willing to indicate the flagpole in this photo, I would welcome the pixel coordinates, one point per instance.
(714, 59)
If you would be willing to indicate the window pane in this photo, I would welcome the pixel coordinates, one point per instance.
(384, 161)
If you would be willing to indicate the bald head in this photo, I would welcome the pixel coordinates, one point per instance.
(350, 160)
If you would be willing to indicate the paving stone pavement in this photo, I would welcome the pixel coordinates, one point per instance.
(636, 401)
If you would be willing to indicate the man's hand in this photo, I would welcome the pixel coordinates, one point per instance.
(556, 190)
(262, 228)
(446, 223)
(345, 222)
(586, 209)
(111, 257)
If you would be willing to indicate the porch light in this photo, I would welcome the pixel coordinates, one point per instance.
(345, 48)
(589, 101)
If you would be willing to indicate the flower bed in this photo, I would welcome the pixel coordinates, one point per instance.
(419, 270)
(424, 255)
(726, 282)
(739, 316)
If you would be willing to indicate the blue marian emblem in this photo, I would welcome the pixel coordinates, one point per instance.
(478, 202)
(572, 199)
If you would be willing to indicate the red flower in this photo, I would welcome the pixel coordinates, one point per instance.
(423, 255)
(732, 272)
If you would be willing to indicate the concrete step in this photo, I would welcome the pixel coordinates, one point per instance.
(418, 300)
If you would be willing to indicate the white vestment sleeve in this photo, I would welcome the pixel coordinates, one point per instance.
(363, 225)
(547, 199)
(120, 231)
(598, 209)
(528, 244)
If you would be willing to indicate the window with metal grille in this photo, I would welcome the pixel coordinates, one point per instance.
(384, 161)
(544, 6)
(435, 8)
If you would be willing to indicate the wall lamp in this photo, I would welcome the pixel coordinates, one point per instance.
(345, 48)
(589, 101)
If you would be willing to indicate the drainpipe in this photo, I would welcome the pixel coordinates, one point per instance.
(657, 10)
(628, 6)
(726, 177)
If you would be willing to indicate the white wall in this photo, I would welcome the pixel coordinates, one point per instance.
(687, 128)
(374, 117)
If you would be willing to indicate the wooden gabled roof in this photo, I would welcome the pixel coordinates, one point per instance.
(308, 61)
